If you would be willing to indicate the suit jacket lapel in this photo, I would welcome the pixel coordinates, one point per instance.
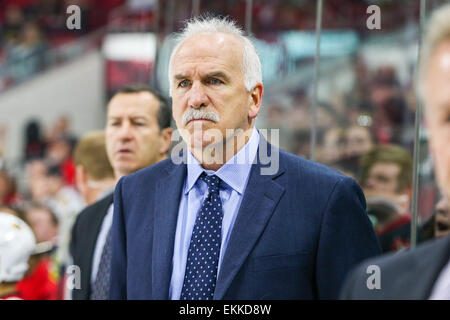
(260, 198)
(428, 266)
(167, 200)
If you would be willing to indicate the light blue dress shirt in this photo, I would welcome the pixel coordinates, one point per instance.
(234, 175)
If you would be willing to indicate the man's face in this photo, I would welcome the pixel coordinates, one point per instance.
(207, 76)
(40, 221)
(437, 103)
(133, 138)
(358, 141)
(383, 178)
(442, 221)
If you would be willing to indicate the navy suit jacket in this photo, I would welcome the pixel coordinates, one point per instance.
(297, 234)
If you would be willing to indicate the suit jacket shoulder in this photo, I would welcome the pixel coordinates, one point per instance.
(310, 169)
(149, 176)
(99, 208)
(403, 275)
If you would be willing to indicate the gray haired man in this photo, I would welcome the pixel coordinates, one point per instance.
(218, 227)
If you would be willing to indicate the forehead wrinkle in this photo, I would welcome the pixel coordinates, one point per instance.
(214, 47)
(208, 67)
(437, 95)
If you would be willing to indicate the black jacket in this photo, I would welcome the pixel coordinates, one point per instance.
(84, 237)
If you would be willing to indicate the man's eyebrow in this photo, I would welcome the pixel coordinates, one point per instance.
(218, 74)
(180, 76)
(131, 116)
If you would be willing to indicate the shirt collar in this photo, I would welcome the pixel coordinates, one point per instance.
(234, 172)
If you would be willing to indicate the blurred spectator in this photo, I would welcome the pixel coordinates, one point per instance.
(62, 198)
(41, 280)
(28, 56)
(391, 113)
(34, 143)
(16, 245)
(60, 130)
(66, 202)
(12, 24)
(332, 146)
(94, 174)
(36, 177)
(386, 177)
(8, 189)
(358, 140)
(59, 155)
(43, 222)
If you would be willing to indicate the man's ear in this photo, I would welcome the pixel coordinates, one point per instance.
(80, 177)
(166, 139)
(255, 100)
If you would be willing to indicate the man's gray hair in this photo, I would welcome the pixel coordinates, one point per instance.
(438, 31)
(251, 65)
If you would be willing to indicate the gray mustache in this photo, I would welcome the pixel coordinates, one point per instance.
(194, 114)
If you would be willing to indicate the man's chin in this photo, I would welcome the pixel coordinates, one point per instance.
(127, 168)
(201, 144)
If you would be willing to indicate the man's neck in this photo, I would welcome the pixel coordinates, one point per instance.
(119, 175)
(98, 189)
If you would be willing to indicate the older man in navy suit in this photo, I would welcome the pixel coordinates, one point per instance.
(232, 217)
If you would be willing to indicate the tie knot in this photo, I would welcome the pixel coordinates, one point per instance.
(212, 181)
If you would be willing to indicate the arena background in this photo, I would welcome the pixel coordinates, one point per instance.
(332, 104)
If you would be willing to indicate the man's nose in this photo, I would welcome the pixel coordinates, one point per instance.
(125, 131)
(370, 183)
(197, 96)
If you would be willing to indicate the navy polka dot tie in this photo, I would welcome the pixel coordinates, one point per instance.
(204, 248)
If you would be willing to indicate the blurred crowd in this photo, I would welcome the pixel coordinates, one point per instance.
(368, 134)
(48, 202)
(28, 28)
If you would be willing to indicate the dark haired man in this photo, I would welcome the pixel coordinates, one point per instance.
(138, 135)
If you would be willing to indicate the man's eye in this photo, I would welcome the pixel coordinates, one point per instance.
(447, 119)
(183, 83)
(114, 124)
(214, 81)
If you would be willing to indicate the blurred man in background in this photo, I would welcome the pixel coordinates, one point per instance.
(357, 141)
(423, 273)
(138, 134)
(43, 222)
(94, 174)
(386, 176)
